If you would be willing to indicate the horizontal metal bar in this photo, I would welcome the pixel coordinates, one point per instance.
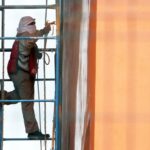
(24, 139)
(39, 79)
(27, 38)
(53, 6)
(47, 50)
(24, 101)
(51, 79)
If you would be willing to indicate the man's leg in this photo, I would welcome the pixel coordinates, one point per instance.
(24, 86)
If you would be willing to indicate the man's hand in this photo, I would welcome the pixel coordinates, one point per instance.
(33, 71)
(47, 27)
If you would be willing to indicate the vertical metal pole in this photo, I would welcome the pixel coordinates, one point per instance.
(57, 85)
(1, 127)
(57, 143)
(2, 42)
(45, 42)
(2, 83)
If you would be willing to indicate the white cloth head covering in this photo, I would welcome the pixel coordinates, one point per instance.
(24, 25)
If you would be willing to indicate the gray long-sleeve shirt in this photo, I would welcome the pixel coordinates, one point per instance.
(25, 47)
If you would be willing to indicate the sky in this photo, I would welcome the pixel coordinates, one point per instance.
(13, 120)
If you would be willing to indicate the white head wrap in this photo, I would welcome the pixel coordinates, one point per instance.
(24, 25)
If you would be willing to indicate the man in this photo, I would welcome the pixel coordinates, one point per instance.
(22, 68)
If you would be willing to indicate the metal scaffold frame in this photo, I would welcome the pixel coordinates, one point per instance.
(57, 79)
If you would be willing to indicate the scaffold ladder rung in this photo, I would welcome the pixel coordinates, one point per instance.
(24, 139)
(53, 6)
(25, 101)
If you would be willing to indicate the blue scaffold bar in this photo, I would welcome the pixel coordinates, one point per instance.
(40, 49)
(25, 100)
(23, 139)
(39, 79)
(27, 38)
(58, 83)
(53, 6)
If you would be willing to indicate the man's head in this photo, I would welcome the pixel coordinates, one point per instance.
(26, 24)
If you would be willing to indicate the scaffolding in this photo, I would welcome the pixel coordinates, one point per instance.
(56, 137)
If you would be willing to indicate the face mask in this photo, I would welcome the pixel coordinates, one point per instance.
(27, 24)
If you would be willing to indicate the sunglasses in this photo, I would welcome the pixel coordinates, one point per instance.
(32, 23)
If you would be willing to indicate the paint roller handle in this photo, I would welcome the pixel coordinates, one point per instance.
(50, 23)
(53, 23)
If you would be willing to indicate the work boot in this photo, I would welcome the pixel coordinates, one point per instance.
(37, 135)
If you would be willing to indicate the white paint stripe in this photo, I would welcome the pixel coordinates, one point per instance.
(81, 101)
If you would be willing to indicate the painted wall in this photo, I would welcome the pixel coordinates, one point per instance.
(122, 95)
(77, 56)
(70, 65)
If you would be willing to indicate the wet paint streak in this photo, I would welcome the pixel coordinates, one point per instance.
(81, 95)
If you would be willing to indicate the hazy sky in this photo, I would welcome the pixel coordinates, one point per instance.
(13, 120)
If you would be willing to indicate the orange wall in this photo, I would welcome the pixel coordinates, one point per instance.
(89, 142)
(122, 105)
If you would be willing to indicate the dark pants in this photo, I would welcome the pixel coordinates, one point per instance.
(24, 89)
